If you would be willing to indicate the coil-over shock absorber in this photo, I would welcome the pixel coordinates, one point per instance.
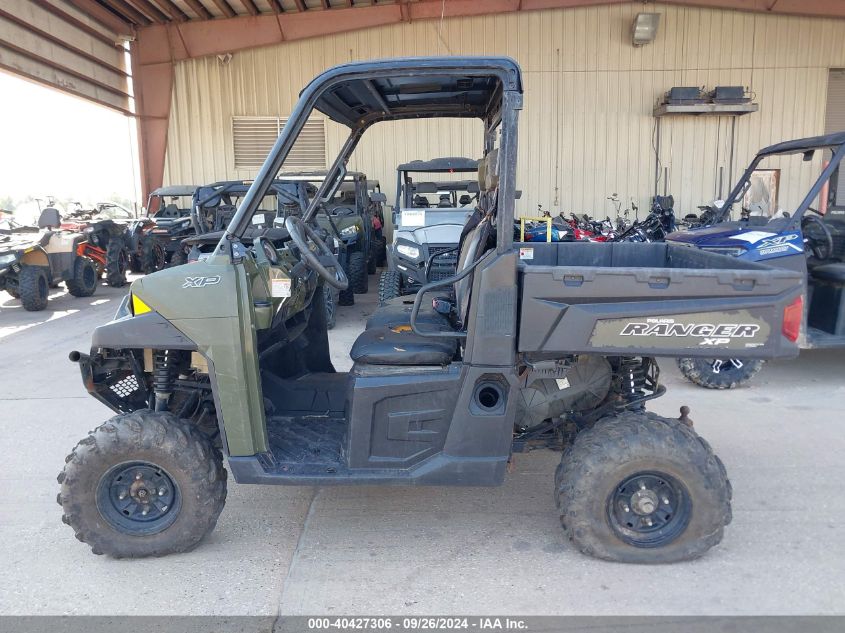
(163, 361)
(633, 377)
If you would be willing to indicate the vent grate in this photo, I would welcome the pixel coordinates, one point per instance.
(253, 138)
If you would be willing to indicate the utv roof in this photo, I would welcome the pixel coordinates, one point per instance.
(444, 165)
(175, 190)
(805, 144)
(319, 175)
(451, 185)
(415, 87)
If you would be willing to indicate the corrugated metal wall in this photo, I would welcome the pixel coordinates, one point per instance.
(586, 131)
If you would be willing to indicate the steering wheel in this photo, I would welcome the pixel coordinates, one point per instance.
(299, 231)
(817, 235)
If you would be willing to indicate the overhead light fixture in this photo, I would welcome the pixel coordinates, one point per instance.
(644, 28)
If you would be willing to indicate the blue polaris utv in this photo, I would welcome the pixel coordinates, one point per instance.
(811, 239)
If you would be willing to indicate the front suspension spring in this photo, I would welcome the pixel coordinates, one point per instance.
(163, 361)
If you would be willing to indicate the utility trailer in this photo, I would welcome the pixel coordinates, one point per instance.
(226, 361)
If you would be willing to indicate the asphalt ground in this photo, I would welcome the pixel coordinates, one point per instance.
(370, 550)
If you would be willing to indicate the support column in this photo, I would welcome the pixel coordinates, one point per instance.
(152, 78)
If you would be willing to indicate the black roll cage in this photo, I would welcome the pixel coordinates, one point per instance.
(500, 112)
(807, 146)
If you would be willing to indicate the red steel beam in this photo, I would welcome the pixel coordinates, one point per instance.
(276, 5)
(227, 10)
(103, 16)
(200, 9)
(300, 5)
(173, 11)
(128, 11)
(150, 10)
(249, 5)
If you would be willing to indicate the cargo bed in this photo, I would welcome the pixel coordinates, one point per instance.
(651, 300)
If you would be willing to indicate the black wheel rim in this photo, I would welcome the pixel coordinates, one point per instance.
(160, 257)
(649, 509)
(725, 365)
(138, 498)
(89, 276)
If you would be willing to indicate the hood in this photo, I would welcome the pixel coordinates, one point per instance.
(438, 234)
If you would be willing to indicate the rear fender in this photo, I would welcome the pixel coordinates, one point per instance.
(35, 257)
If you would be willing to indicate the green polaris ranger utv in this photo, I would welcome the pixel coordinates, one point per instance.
(224, 365)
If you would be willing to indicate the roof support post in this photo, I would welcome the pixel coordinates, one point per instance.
(152, 79)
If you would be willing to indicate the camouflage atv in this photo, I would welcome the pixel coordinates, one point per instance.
(32, 262)
(225, 365)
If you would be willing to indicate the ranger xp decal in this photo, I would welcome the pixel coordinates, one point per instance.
(201, 282)
(718, 334)
(690, 331)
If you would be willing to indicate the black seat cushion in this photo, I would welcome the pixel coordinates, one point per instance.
(397, 312)
(831, 273)
(384, 346)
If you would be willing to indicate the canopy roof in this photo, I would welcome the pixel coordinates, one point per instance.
(415, 87)
(175, 190)
(441, 165)
(804, 144)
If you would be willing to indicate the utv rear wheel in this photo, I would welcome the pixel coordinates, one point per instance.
(84, 282)
(389, 286)
(372, 259)
(33, 288)
(639, 488)
(179, 257)
(117, 262)
(143, 484)
(357, 272)
(13, 291)
(719, 373)
(153, 257)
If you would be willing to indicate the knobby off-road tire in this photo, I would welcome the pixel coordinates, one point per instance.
(14, 292)
(381, 251)
(331, 307)
(117, 262)
(153, 256)
(701, 372)
(389, 286)
(614, 472)
(84, 282)
(33, 288)
(357, 273)
(178, 465)
(372, 260)
(178, 258)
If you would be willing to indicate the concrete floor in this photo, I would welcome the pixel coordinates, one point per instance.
(423, 550)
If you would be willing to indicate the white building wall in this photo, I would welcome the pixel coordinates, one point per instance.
(587, 129)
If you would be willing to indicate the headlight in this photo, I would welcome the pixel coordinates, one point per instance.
(733, 251)
(7, 259)
(349, 231)
(411, 252)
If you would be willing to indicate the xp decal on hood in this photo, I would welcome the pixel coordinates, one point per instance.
(741, 331)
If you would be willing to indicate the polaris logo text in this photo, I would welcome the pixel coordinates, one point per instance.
(200, 282)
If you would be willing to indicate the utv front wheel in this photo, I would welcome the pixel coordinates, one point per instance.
(389, 286)
(331, 312)
(143, 484)
(33, 288)
(179, 257)
(84, 282)
(117, 262)
(719, 373)
(639, 488)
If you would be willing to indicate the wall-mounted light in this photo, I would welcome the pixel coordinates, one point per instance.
(644, 28)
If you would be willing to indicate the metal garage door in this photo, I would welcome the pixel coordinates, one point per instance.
(55, 43)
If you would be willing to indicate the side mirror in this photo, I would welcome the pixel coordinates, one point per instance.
(378, 197)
